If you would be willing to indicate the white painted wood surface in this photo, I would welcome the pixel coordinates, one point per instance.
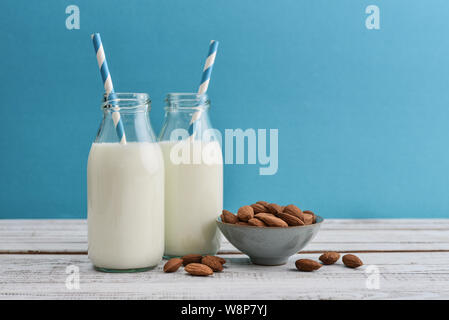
(18, 236)
(402, 275)
(412, 257)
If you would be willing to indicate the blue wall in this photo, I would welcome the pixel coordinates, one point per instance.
(363, 115)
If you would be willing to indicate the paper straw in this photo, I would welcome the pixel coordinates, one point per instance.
(108, 87)
(207, 71)
(205, 79)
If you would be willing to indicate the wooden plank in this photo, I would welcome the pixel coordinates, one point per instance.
(70, 236)
(43, 235)
(402, 276)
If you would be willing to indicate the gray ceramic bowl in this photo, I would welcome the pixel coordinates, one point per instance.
(269, 246)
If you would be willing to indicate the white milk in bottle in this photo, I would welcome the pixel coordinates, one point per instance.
(194, 199)
(193, 177)
(125, 183)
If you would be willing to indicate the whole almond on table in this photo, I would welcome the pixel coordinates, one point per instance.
(245, 213)
(213, 263)
(222, 260)
(352, 261)
(219, 259)
(307, 265)
(274, 208)
(173, 265)
(271, 220)
(291, 220)
(258, 208)
(191, 258)
(330, 257)
(229, 217)
(293, 210)
(256, 222)
(198, 269)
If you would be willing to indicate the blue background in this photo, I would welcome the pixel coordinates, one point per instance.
(363, 115)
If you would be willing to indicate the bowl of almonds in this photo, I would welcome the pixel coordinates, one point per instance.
(269, 233)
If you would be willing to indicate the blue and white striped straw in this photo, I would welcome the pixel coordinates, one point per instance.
(108, 87)
(205, 79)
(207, 71)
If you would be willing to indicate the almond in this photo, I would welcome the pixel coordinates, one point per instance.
(329, 257)
(291, 220)
(264, 203)
(229, 217)
(307, 265)
(258, 208)
(309, 217)
(352, 261)
(293, 210)
(219, 259)
(245, 213)
(256, 222)
(191, 258)
(222, 260)
(173, 265)
(242, 223)
(271, 220)
(274, 208)
(213, 263)
(198, 269)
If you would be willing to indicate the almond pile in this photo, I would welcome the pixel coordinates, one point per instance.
(196, 264)
(328, 258)
(264, 214)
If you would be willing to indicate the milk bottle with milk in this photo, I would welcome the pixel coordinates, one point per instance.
(125, 183)
(193, 176)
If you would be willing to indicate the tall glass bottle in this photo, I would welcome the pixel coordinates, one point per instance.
(125, 183)
(193, 176)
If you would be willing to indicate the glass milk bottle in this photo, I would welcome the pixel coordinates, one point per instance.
(193, 176)
(125, 189)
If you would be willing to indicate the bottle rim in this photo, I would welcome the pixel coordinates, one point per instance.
(186, 101)
(126, 101)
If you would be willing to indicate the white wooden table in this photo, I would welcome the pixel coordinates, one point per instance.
(411, 256)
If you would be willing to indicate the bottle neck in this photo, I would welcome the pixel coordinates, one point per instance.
(129, 110)
(186, 115)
